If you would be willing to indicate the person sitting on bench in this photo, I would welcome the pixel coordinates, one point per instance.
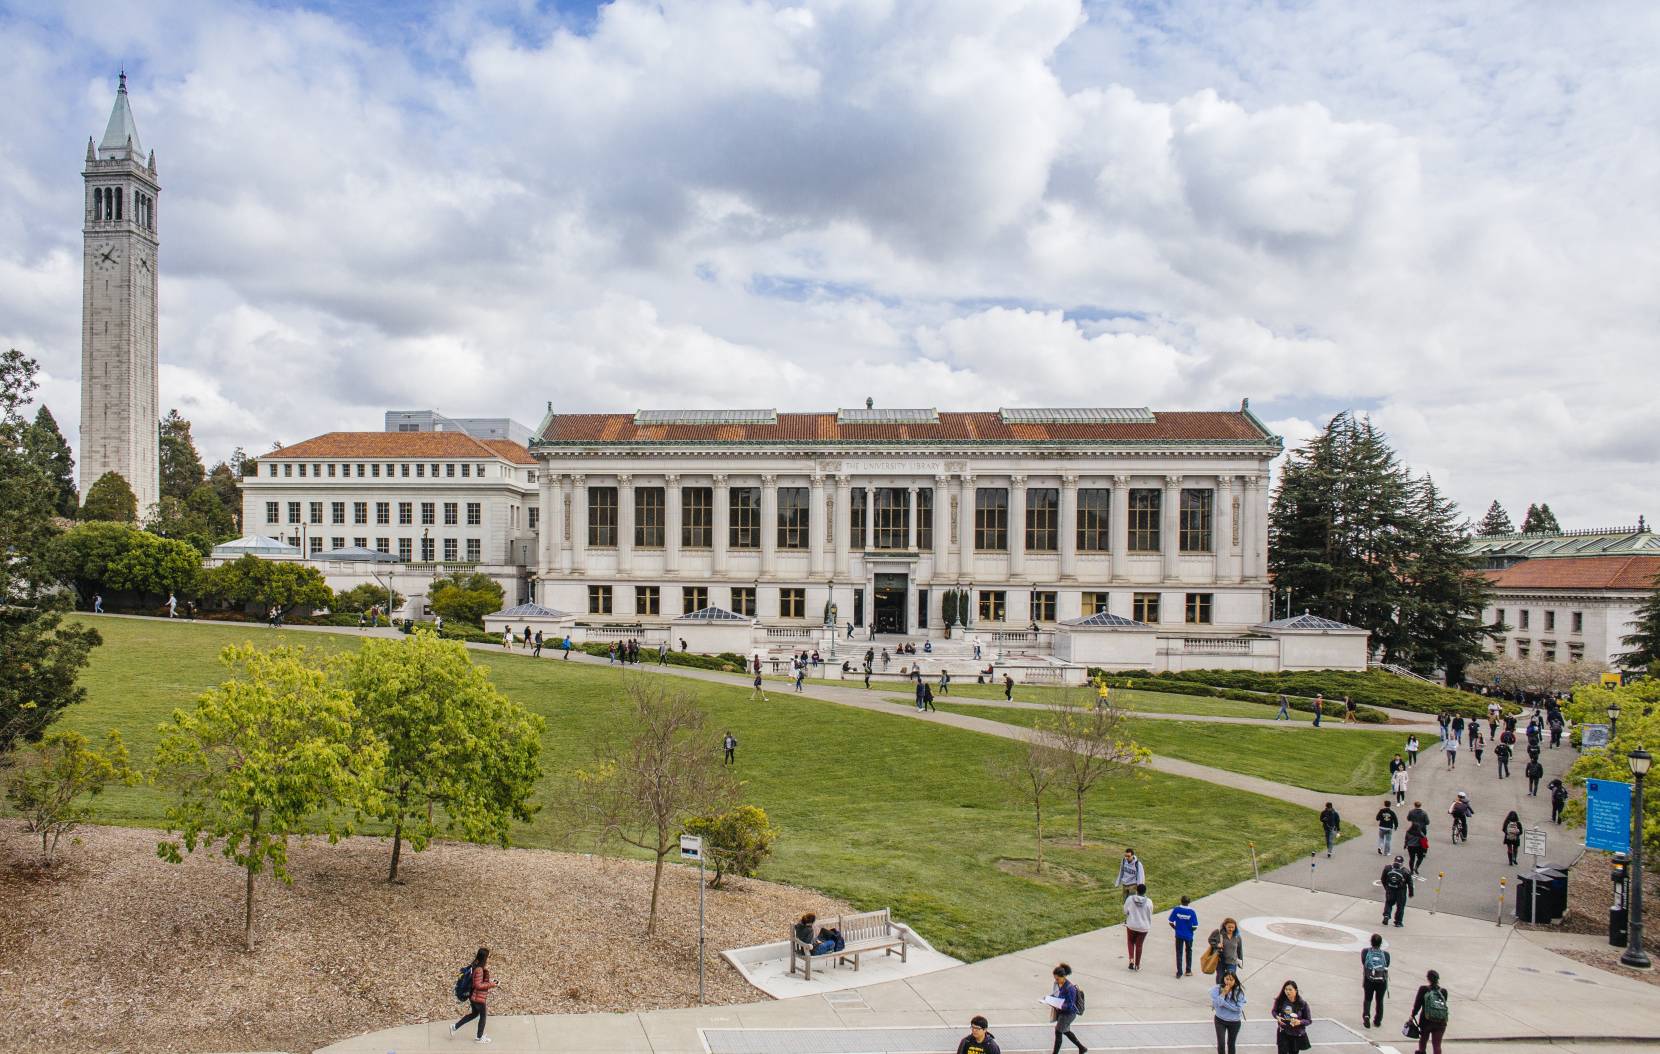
(828, 939)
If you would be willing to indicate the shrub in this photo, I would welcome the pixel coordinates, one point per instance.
(1371, 688)
(466, 597)
(736, 842)
(1166, 682)
(363, 597)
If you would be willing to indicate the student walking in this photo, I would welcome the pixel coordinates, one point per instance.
(565, 645)
(1130, 871)
(1429, 1013)
(1064, 1009)
(730, 746)
(1227, 1009)
(1138, 919)
(867, 673)
(1387, 823)
(1374, 975)
(1534, 773)
(1478, 745)
(979, 1040)
(1449, 747)
(1319, 708)
(1349, 713)
(1008, 687)
(800, 678)
(1184, 923)
(758, 692)
(1331, 823)
(97, 603)
(1397, 886)
(1291, 1019)
(928, 699)
(945, 682)
(172, 605)
(1397, 783)
(1417, 840)
(475, 988)
(1229, 947)
(1412, 750)
(1283, 715)
(536, 650)
(1501, 754)
(1512, 831)
(920, 688)
(1558, 800)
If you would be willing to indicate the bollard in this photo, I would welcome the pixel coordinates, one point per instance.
(1439, 875)
(1311, 857)
(1499, 921)
(1256, 875)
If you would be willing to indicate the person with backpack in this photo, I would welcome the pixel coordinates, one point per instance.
(1558, 800)
(1429, 1013)
(1184, 922)
(1511, 829)
(1227, 1009)
(1387, 823)
(473, 988)
(1501, 754)
(1374, 974)
(1130, 871)
(1534, 772)
(979, 1040)
(730, 745)
(1138, 919)
(1449, 747)
(1291, 1020)
(1331, 823)
(1478, 745)
(1397, 886)
(928, 698)
(1417, 840)
(1066, 1002)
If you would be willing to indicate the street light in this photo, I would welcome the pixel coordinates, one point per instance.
(1635, 956)
(1614, 720)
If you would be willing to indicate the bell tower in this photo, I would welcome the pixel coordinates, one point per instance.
(120, 414)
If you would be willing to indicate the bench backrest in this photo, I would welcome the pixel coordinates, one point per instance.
(866, 925)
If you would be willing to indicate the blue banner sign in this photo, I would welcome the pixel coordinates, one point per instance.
(1608, 816)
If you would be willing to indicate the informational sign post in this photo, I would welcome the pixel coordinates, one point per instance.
(1533, 844)
(1608, 816)
(691, 848)
(1593, 737)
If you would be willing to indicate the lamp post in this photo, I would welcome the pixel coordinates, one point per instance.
(1613, 712)
(1635, 956)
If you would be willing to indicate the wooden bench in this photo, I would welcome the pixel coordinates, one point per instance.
(867, 931)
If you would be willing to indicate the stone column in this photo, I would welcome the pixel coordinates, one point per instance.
(1251, 517)
(965, 528)
(910, 519)
(942, 529)
(1118, 534)
(579, 524)
(1017, 526)
(1169, 536)
(816, 522)
(1222, 529)
(671, 525)
(769, 526)
(1069, 527)
(722, 513)
(840, 529)
(625, 524)
(548, 525)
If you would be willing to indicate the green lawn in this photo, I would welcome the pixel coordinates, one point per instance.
(876, 808)
(1331, 760)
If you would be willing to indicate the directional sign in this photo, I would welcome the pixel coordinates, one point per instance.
(691, 847)
(1533, 842)
(1608, 816)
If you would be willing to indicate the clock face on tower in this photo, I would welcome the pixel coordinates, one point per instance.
(106, 256)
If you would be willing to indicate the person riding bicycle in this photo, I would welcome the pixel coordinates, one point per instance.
(1461, 811)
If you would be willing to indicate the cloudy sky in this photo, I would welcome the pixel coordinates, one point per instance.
(1445, 215)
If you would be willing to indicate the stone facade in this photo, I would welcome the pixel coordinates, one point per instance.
(120, 401)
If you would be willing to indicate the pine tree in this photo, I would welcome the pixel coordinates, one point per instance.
(1497, 521)
(111, 498)
(1441, 627)
(47, 449)
(1540, 520)
(1645, 642)
(226, 483)
(181, 466)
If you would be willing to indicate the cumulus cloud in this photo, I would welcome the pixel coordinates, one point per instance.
(1442, 218)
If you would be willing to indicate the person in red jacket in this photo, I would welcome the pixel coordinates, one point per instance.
(478, 999)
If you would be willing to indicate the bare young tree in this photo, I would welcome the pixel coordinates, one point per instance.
(1031, 775)
(656, 772)
(1094, 740)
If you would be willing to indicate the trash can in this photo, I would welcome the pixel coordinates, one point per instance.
(1553, 892)
(1527, 899)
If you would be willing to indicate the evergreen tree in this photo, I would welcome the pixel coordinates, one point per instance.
(181, 466)
(110, 498)
(1441, 627)
(49, 452)
(1540, 520)
(225, 479)
(1645, 642)
(1497, 521)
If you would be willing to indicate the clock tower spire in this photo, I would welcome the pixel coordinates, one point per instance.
(120, 400)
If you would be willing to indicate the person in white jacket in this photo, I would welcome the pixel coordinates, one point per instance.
(1130, 871)
(1138, 919)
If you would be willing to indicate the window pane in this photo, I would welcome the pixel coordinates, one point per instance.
(697, 517)
(1145, 507)
(602, 516)
(1043, 512)
(892, 517)
(1094, 520)
(991, 519)
(649, 517)
(744, 518)
(792, 603)
(993, 605)
(1094, 603)
(647, 600)
(599, 600)
(924, 523)
(1145, 607)
(793, 504)
(693, 598)
(857, 501)
(1196, 520)
(1043, 606)
(1198, 608)
(743, 601)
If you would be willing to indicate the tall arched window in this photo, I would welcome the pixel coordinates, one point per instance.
(118, 196)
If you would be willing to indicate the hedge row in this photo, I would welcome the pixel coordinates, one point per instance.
(1149, 682)
(1371, 688)
(726, 661)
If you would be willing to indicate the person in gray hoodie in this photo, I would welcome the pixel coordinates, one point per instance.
(1138, 919)
(1130, 871)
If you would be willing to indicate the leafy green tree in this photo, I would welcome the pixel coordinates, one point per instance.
(84, 554)
(155, 567)
(40, 657)
(1497, 521)
(364, 597)
(1638, 726)
(283, 584)
(459, 755)
(737, 842)
(464, 597)
(275, 752)
(1644, 642)
(1540, 520)
(1441, 620)
(200, 519)
(110, 498)
(50, 453)
(53, 781)
(225, 479)
(181, 465)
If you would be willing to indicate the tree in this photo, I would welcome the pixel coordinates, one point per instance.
(1638, 726)
(464, 597)
(104, 556)
(224, 480)
(40, 657)
(110, 498)
(1441, 620)
(282, 584)
(1094, 739)
(651, 775)
(1031, 775)
(736, 842)
(1540, 520)
(1497, 521)
(84, 554)
(364, 597)
(451, 740)
(1644, 641)
(275, 752)
(200, 519)
(1533, 676)
(50, 453)
(156, 567)
(49, 785)
(181, 465)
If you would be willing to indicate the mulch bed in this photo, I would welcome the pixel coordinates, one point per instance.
(1590, 895)
(117, 951)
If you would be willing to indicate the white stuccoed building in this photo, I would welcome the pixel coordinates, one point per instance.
(866, 517)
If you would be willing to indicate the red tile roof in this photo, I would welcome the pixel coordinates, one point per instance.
(1579, 572)
(983, 426)
(336, 445)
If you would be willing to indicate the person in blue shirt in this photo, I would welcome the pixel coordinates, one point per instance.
(1227, 1005)
(1184, 921)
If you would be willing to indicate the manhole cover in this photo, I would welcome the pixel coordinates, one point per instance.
(1309, 931)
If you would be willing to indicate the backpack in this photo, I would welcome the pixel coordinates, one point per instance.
(1435, 1006)
(1078, 999)
(1392, 879)
(464, 984)
(1376, 962)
